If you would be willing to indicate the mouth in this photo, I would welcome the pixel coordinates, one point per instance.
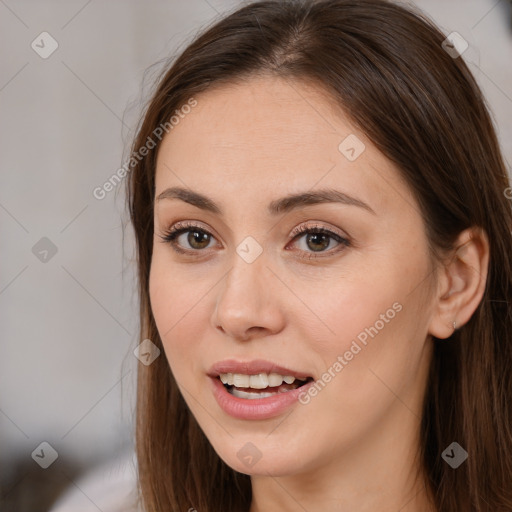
(257, 389)
(260, 385)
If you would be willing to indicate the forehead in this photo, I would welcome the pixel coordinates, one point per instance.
(267, 136)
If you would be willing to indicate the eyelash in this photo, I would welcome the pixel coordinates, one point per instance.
(179, 228)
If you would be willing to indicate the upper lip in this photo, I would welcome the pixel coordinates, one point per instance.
(252, 368)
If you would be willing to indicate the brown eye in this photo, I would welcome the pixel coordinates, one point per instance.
(187, 238)
(198, 239)
(317, 241)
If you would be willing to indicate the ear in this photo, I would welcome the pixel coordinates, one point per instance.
(461, 283)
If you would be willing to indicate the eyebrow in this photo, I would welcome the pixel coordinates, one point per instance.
(283, 205)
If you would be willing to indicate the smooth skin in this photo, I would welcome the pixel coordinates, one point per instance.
(304, 299)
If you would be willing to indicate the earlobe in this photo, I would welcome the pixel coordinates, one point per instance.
(461, 285)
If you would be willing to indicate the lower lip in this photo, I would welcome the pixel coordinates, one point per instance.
(257, 408)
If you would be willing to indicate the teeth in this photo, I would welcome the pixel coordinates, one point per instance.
(255, 394)
(274, 379)
(241, 381)
(259, 381)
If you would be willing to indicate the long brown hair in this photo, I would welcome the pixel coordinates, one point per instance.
(386, 67)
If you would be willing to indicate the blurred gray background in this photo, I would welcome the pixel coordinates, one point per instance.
(67, 295)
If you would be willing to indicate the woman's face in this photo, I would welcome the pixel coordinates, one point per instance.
(252, 288)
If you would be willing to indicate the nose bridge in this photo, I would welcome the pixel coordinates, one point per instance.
(246, 299)
(243, 286)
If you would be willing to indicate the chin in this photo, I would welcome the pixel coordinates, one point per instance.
(260, 456)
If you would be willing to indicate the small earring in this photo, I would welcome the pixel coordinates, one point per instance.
(454, 325)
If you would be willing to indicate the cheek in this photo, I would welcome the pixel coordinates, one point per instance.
(371, 320)
(173, 295)
(346, 300)
(361, 322)
(178, 310)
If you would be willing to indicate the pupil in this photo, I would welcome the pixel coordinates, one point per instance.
(196, 237)
(315, 237)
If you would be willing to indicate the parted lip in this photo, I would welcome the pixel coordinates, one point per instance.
(253, 368)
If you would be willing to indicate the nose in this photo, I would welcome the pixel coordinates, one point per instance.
(249, 304)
